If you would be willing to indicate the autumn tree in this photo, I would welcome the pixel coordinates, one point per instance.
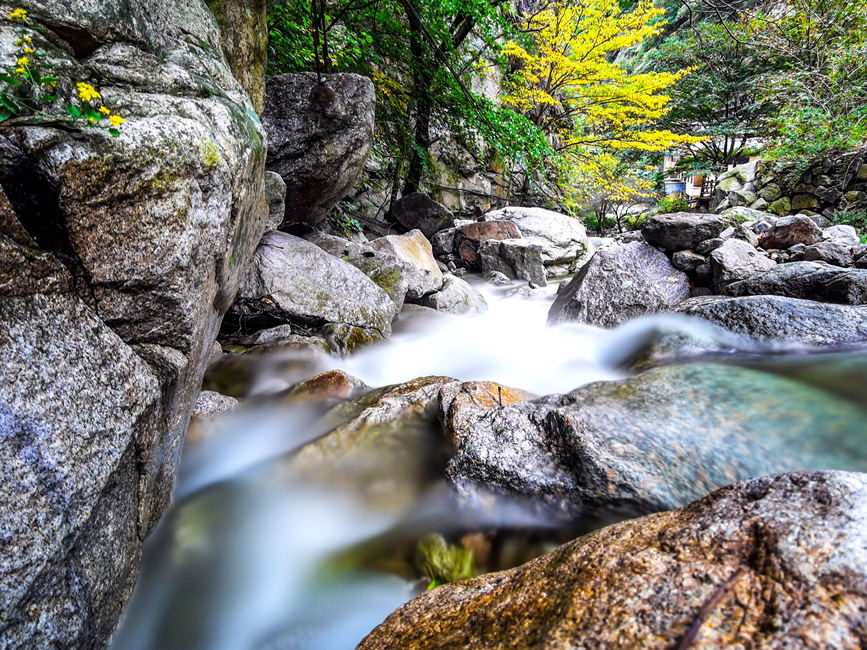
(565, 80)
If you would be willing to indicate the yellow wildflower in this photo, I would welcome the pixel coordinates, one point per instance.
(24, 40)
(20, 70)
(28, 50)
(23, 61)
(18, 14)
(104, 110)
(116, 120)
(87, 92)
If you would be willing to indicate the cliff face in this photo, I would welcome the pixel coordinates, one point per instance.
(118, 258)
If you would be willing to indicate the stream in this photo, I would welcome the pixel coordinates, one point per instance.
(249, 558)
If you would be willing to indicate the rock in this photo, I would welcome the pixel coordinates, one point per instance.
(562, 239)
(709, 245)
(266, 336)
(456, 297)
(468, 238)
(275, 194)
(294, 281)
(783, 546)
(763, 226)
(687, 261)
(741, 214)
(519, 259)
(743, 233)
(461, 404)
(808, 281)
(383, 268)
(210, 406)
(654, 442)
(831, 252)
(760, 205)
(780, 319)
(244, 38)
(329, 387)
(804, 201)
(443, 242)
(846, 235)
(781, 206)
(736, 260)
(497, 279)
(119, 257)
(418, 211)
(415, 256)
(344, 339)
(789, 231)
(704, 274)
(385, 446)
(770, 192)
(681, 231)
(318, 138)
(618, 284)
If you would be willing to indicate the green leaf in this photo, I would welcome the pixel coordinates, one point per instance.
(114, 132)
(49, 98)
(49, 80)
(73, 111)
(10, 104)
(12, 81)
(5, 113)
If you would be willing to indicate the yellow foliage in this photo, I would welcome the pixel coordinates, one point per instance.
(568, 86)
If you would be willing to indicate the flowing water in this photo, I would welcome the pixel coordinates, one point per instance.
(247, 558)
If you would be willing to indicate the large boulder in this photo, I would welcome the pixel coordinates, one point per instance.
(418, 211)
(736, 260)
(779, 319)
(654, 442)
(291, 280)
(679, 231)
(415, 256)
(618, 284)
(318, 138)
(789, 231)
(124, 253)
(456, 297)
(381, 267)
(806, 280)
(562, 240)
(519, 259)
(831, 252)
(775, 562)
(468, 238)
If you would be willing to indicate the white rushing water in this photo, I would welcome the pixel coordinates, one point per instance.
(245, 561)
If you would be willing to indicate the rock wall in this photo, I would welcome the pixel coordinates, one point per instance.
(119, 257)
(837, 183)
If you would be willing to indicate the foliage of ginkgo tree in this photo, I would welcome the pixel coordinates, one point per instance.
(566, 80)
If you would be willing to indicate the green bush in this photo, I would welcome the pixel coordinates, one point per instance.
(673, 203)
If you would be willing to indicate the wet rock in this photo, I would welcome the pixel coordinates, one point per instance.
(687, 261)
(708, 575)
(562, 239)
(680, 231)
(656, 441)
(789, 231)
(418, 211)
(497, 279)
(456, 297)
(519, 259)
(784, 320)
(328, 387)
(318, 138)
(462, 405)
(618, 284)
(210, 406)
(468, 238)
(846, 235)
(383, 268)
(344, 339)
(108, 318)
(291, 280)
(736, 260)
(275, 194)
(831, 252)
(386, 445)
(415, 256)
(806, 280)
